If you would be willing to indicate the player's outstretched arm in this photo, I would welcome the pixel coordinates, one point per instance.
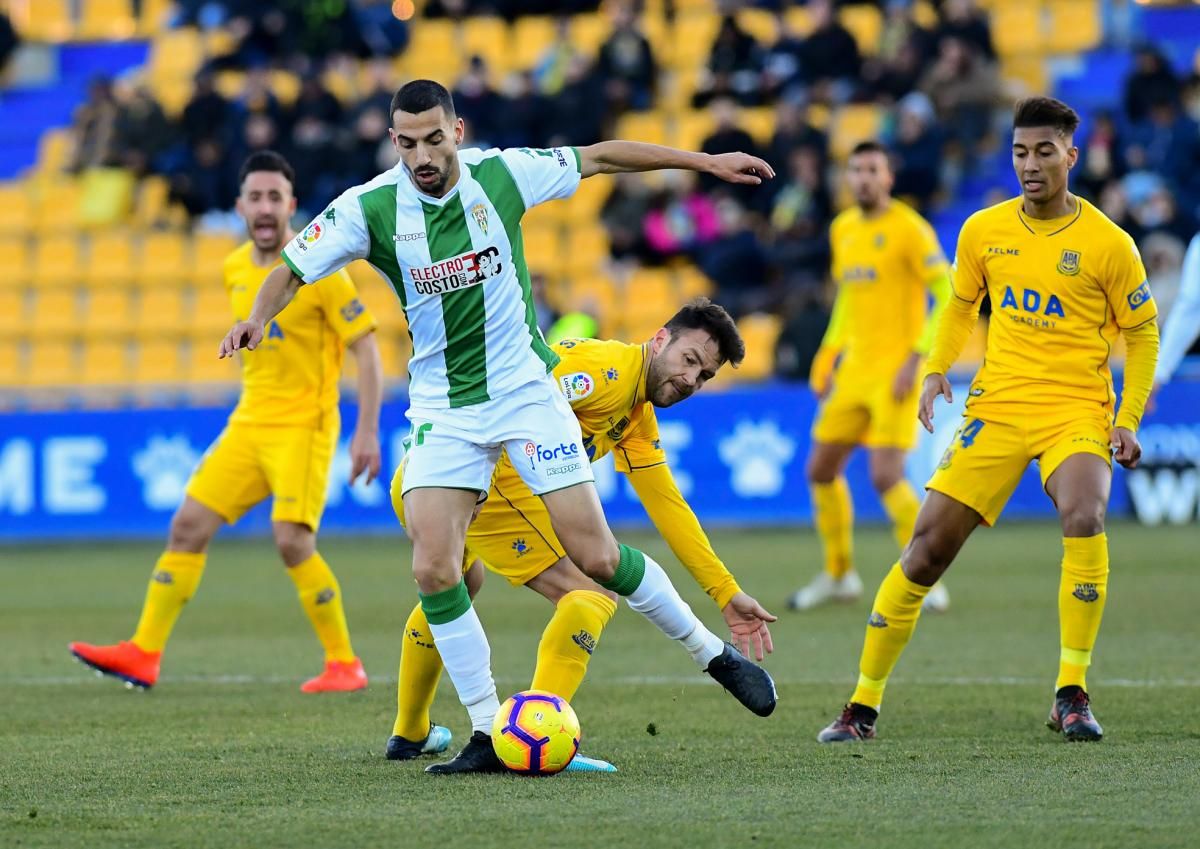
(365, 455)
(276, 293)
(615, 157)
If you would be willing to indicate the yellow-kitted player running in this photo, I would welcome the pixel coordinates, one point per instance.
(279, 443)
(892, 282)
(1064, 283)
(613, 388)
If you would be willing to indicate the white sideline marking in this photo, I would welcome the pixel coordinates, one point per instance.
(86, 676)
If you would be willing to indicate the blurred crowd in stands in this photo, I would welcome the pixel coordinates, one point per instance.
(765, 249)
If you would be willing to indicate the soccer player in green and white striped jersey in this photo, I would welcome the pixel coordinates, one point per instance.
(443, 226)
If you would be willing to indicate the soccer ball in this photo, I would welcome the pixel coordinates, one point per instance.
(535, 733)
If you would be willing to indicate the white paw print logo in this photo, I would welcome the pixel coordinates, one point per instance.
(757, 454)
(164, 466)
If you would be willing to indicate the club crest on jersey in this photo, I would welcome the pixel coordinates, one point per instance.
(480, 214)
(1068, 263)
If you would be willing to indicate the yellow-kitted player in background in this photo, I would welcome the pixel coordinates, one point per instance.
(889, 269)
(1064, 283)
(613, 388)
(279, 442)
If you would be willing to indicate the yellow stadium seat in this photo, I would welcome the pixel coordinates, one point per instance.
(15, 271)
(594, 295)
(433, 52)
(759, 23)
(1017, 27)
(486, 37)
(16, 211)
(229, 84)
(1030, 72)
(925, 15)
(176, 54)
(52, 362)
(692, 38)
(56, 261)
(105, 362)
(589, 31)
(55, 313)
(760, 332)
(201, 365)
(661, 37)
(693, 283)
(172, 93)
(643, 127)
(209, 251)
(759, 122)
(109, 312)
(154, 17)
(865, 24)
(13, 304)
(210, 315)
(692, 128)
(852, 124)
(543, 246)
(160, 311)
(587, 250)
(163, 261)
(150, 202)
(49, 20)
(159, 361)
(56, 205)
(12, 367)
(110, 260)
(107, 19)
(652, 292)
(1073, 26)
(799, 21)
(532, 36)
(286, 86)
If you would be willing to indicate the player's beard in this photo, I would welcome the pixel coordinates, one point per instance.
(661, 390)
(436, 185)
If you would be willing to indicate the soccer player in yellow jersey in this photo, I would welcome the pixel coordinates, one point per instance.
(279, 442)
(887, 264)
(613, 388)
(1064, 283)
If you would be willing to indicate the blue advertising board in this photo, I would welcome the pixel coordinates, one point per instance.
(738, 456)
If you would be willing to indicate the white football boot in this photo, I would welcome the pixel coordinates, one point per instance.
(824, 589)
(938, 600)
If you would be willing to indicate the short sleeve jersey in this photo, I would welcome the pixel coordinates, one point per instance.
(883, 267)
(291, 378)
(1061, 292)
(457, 264)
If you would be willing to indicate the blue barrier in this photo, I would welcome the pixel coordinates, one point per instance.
(738, 456)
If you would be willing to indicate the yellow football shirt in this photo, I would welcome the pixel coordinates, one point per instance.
(292, 377)
(1061, 291)
(883, 268)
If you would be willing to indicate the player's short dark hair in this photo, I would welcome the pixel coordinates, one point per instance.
(266, 160)
(869, 146)
(1046, 112)
(421, 96)
(702, 314)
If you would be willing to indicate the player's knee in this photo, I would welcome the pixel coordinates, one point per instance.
(1083, 520)
(189, 531)
(600, 562)
(818, 471)
(436, 572)
(883, 480)
(927, 555)
(295, 543)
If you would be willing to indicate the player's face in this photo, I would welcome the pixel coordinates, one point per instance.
(428, 143)
(870, 178)
(1042, 157)
(266, 204)
(681, 365)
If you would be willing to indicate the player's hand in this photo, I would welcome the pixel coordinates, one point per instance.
(365, 455)
(740, 168)
(935, 385)
(245, 334)
(906, 377)
(747, 621)
(1126, 449)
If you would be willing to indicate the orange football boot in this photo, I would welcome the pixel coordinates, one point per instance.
(126, 661)
(338, 677)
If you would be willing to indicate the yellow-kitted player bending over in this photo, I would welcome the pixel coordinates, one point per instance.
(613, 388)
(887, 264)
(279, 442)
(1064, 283)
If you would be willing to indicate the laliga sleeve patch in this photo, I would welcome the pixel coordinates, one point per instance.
(577, 386)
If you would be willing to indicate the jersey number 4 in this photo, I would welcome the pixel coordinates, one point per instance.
(968, 432)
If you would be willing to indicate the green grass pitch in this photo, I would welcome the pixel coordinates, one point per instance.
(227, 752)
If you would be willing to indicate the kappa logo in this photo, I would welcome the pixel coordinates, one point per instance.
(408, 237)
(480, 214)
(877, 620)
(1068, 263)
(520, 547)
(331, 216)
(1086, 593)
(585, 641)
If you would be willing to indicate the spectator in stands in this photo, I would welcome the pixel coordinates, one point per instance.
(964, 88)
(829, 58)
(792, 130)
(315, 102)
(8, 40)
(905, 48)
(622, 214)
(1101, 156)
(477, 104)
(381, 32)
(1163, 253)
(781, 61)
(1167, 142)
(143, 132)
(964, 20)
(572, 116)
(626, 63)
(1157, 212)
(258, 98)
(522, 121)
(381, 85)
(799, 221)
(681, 218)
(368, 151)
(733, 69)
(1152, 81)
(207, 112)
(94, 127)
(206, 181)
(736, 263)
(727, 136)
(553, 67)
(805, 317)
(916, 150)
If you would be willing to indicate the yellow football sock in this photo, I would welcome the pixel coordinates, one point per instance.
(321, 598)
(893, 619)
(1081, 595)
(420, 670)
(569, 639)
(174, 580)
(901, 504)
(833, 515)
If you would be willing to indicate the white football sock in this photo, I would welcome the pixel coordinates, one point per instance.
(468, 659)
(656, 599)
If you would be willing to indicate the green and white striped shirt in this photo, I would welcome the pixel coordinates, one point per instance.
(456, 262)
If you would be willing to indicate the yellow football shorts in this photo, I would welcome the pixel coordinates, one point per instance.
(512, 533)
(864, 412)
(987, 458)
(247, 463)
